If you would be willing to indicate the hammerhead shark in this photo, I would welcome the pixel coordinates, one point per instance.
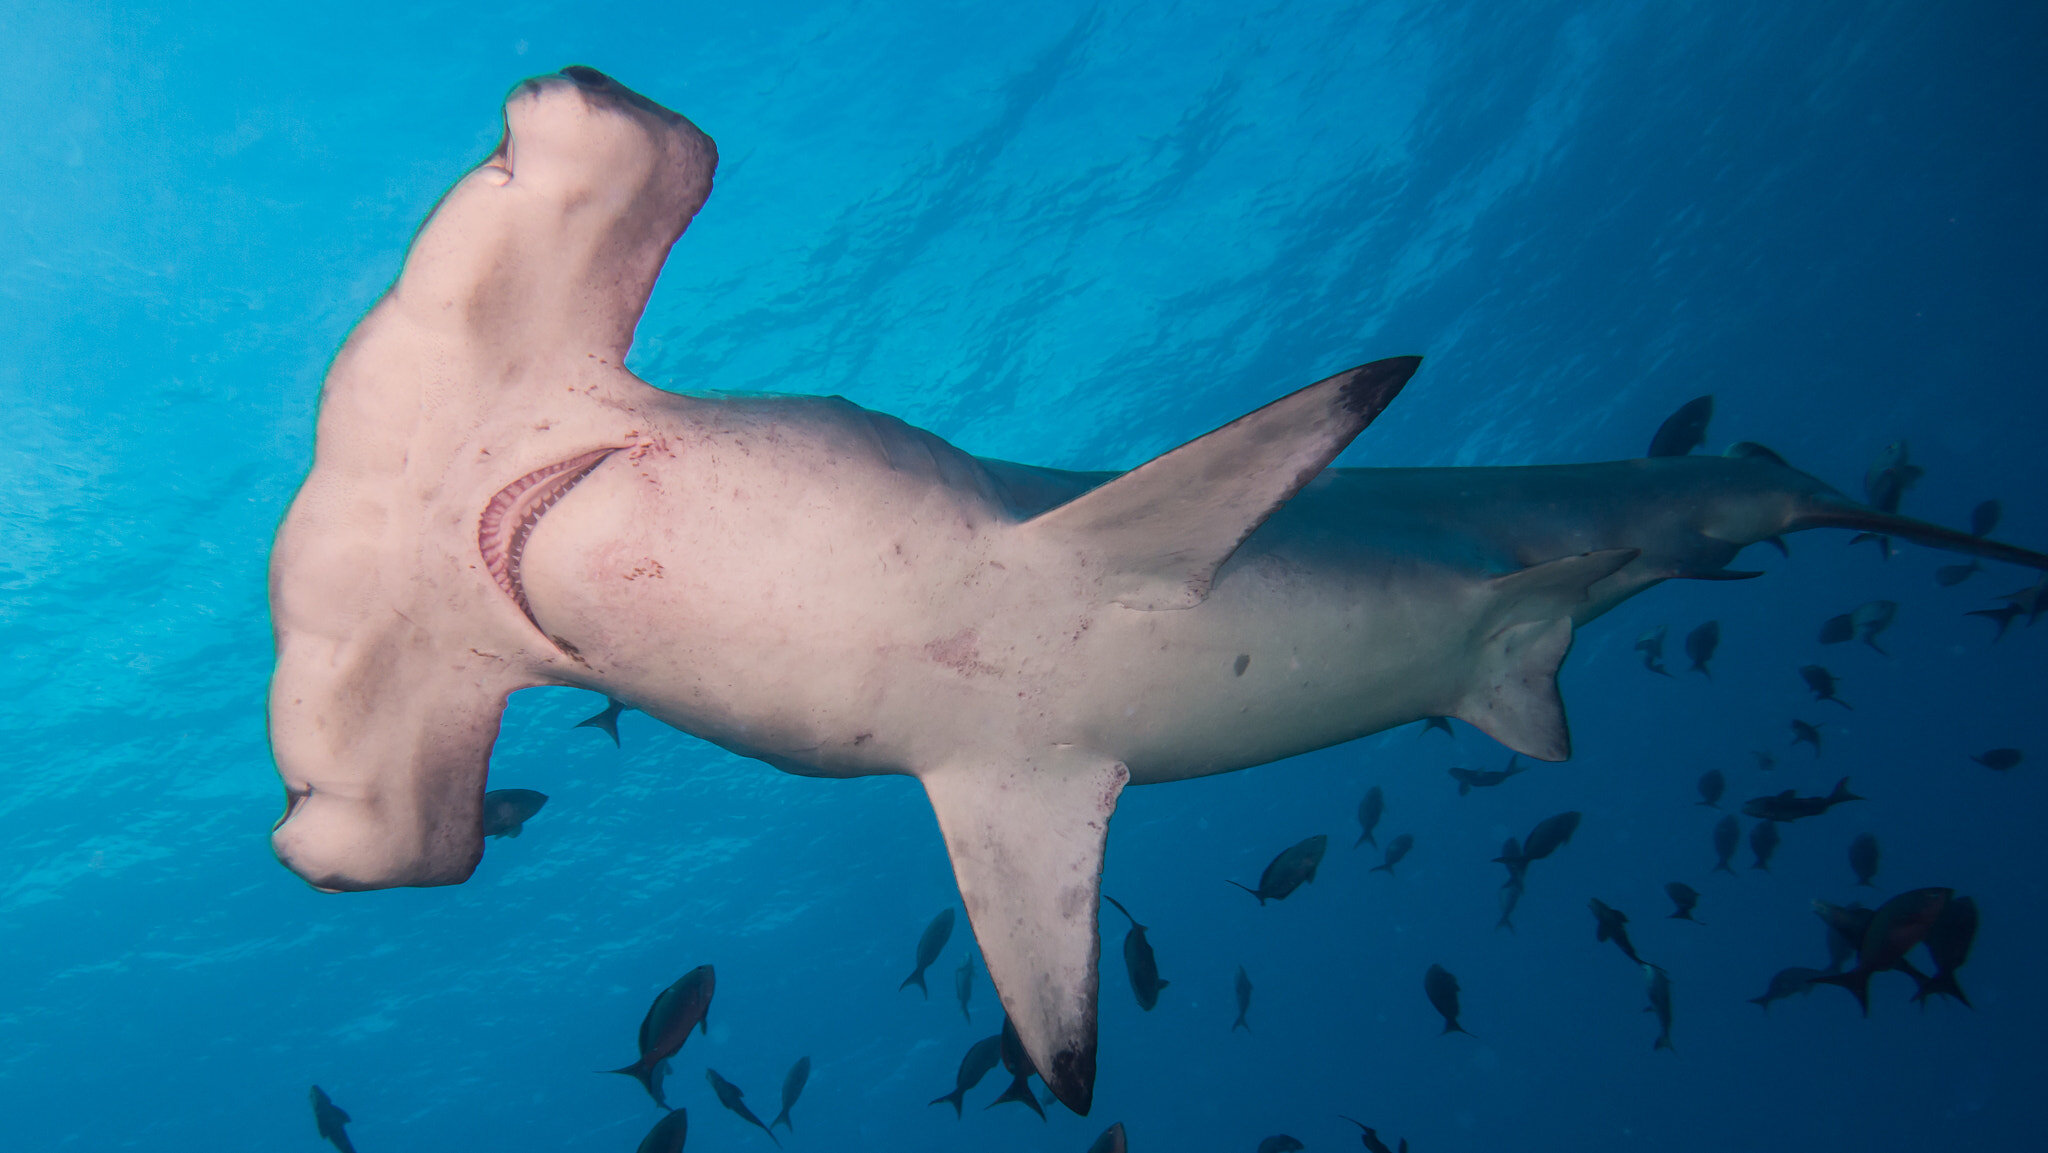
(496, 503)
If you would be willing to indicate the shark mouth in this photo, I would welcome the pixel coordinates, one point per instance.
(510, 516)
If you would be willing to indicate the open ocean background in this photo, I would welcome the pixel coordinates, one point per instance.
(1076, 235)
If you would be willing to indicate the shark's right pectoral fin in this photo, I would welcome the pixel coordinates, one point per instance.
(1513, 697)
(1026, 838)
(1160, 531)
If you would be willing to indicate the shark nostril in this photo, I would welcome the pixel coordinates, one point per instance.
(586, 76)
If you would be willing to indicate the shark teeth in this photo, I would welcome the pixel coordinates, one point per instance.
(510, 516)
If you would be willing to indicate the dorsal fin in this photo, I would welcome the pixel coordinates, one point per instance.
(1161, 530)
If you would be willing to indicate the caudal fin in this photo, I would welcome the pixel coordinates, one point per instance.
(1020, 1090)
(1254, 892)
(954, 1099)
(1941, 984)
(916, 978)
(1842, 793)
(649, 1077)
(1833, 510)
(1856, 980)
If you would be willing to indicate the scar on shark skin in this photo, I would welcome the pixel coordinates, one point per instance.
(1003, 669)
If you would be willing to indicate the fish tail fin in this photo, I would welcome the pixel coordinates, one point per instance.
(1723, 867)
(954, 1098)
(1383, 868)
(1663, 1042)
(1856, 980)
(1454, 1027)
(916, 978)
(1842, 793)
(1240, 1023)
(644, 1075)
(1941, 984)
(606, 722)
(1020, 1090)
(1253, 892)
(1763, 1002)
(782, 1119)
(1120, 908)
(1367, 839)
(1833, 510)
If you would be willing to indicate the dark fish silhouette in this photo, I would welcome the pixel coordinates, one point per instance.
(1949, 576)
(1370, 810)
(1846, 925)
(1293, 868)
(1712, 785)
(1658, 985)
(981, 1056)
(668, 1134)
(1885, 485)
(963, 983)
(1442, 990)
(1511, 856)
(1685, 429)
(1764, 761)
(1549, 835)
(1684, 898)
(1651, 645)
(607, 721)
(1763, 841)
(1510, 896)
(1984, 518)
(1896, 926)
(792, 1087)
(729, 1095)
(1948, 942)
(1805, 734)
(2032, 600)
(1837, 629)
(1020, 1068)
(1371, 1137)
(1244, 1000)
(1785, 983)
(1469, 779)
(1700, 644)
(1111, 1141)
(1727, 834)
(1787, 807)
(1437, 723)
(2000, 759)
(1823, 684)
(929, 945)
(1863, 857)
(681, 1007)
(1396, 849)
(1611, 924)
(2001, 616)
(1139, 962)
(1871, 619)
(1279, 1143)
(506, 811)
(329, 1118)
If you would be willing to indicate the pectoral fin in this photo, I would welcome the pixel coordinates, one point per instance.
(1026, 839)
(1161, 530)
(1514, 697)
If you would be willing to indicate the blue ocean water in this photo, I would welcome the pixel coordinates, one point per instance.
(1075, 235)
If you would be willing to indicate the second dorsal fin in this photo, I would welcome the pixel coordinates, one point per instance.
(1161, 530)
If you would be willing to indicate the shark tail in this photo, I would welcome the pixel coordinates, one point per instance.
(1833, 510)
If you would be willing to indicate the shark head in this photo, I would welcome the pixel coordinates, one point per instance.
(482, 386)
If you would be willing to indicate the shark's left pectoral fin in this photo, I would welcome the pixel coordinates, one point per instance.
(1523, 640)
(1160, 531)
(1026, 837)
